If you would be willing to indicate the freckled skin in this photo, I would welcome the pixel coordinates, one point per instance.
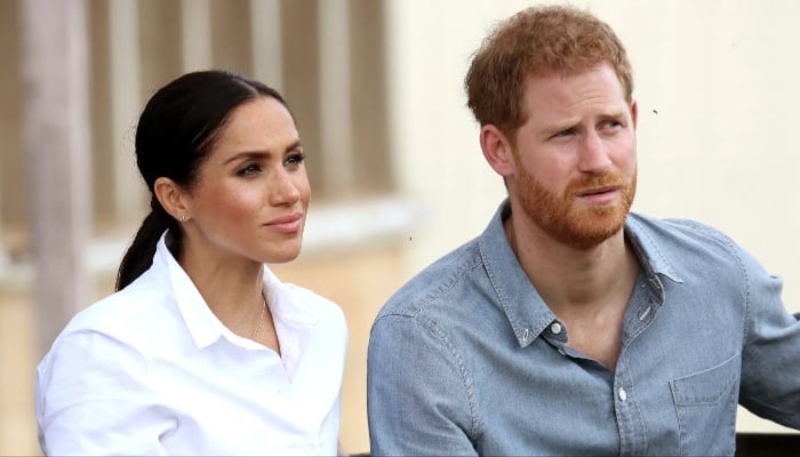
(254, 175)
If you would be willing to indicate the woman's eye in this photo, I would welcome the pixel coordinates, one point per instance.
(295, 159)
(248, 170)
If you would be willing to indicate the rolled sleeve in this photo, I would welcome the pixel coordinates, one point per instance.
(770, 377)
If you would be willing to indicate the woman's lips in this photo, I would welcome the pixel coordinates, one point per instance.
(286, 224)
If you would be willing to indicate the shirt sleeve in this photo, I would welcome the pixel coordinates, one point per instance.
(418, 399)
(93, 397)
(771, 356)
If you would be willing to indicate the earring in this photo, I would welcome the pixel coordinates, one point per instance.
(183, 218)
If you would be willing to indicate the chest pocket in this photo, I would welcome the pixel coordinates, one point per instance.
(705, 403)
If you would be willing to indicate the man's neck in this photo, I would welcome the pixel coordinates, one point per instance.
(572, 279)
(588, 289)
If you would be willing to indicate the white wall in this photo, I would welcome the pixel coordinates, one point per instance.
(715, 82)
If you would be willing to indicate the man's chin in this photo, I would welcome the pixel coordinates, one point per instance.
(591, 231)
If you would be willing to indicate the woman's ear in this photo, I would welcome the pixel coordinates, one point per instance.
(497, 150)
(172, 198)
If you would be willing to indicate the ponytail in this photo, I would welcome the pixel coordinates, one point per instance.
(139, 256)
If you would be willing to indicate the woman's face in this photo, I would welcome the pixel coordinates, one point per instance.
(252, 192)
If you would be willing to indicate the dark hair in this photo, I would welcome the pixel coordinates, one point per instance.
(176, 131)
(538, 41)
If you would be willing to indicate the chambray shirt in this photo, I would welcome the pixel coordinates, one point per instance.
(467, 359)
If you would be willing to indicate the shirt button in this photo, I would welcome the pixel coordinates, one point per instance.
(309, 449)
(622, 394)
(555, 328)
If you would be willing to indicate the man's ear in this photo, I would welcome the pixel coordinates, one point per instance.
(172, 198)
(497, 150)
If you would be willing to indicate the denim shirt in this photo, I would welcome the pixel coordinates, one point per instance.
(467, 359)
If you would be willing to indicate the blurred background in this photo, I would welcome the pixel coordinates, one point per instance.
(397, 175)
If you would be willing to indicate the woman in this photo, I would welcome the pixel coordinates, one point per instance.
(202, 350)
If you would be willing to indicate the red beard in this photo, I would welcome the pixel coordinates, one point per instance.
(565, 220)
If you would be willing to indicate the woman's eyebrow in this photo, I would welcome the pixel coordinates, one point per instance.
(261, 154)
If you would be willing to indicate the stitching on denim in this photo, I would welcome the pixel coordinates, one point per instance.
(448, 282)
(501, 297)
(466, 377)
(646, 233)
(642, 427)
(731, 247)
(681, 421)
(706, 400)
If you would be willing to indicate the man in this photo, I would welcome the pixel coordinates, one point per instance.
(572, 326)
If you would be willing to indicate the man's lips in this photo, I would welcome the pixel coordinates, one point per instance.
(600, 195)
(598, 191)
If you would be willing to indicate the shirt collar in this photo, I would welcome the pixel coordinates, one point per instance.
(653, 260)
(204, 327)
(524, 307)
(289, 303)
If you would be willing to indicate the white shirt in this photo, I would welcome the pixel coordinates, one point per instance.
(150, 370)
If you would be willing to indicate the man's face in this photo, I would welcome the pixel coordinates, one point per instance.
(575, 157)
